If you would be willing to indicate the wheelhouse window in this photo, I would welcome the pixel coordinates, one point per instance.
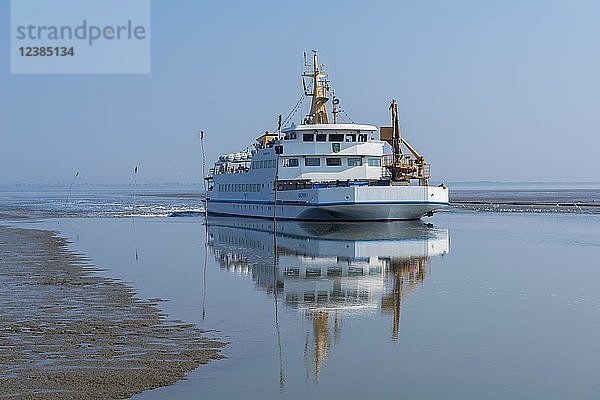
(336, 137)
(350, 137)
(308, 137)
(374, 162)
(354, 161)
(312, 162)
(321, 137)
(333, 162)
(291, 136)
(362, 137)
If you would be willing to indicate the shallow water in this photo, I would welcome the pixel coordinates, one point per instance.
(100, 201)
(478, 305)
(481, 305)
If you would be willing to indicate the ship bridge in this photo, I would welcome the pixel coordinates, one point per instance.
(321, 152)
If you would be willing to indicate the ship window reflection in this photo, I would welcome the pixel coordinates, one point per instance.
(336, 137)
(308, 137)
(321, 137)
(374, 162)
(351, 137)
(322, 296)
(375, 271)
(291, 298)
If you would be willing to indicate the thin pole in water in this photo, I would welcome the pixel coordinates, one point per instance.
(204, 271)
(135, 171)
(275, 180)
(275, 265)
(205, 227)
(204, 174)
(275, 294)
(71, 186)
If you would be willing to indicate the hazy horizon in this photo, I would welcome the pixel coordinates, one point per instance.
(496, 92)
(81, 184)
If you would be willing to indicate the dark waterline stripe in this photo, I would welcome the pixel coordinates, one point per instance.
(270, 217)
(348, 203)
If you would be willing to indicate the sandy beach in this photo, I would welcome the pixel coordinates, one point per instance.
(66, 332)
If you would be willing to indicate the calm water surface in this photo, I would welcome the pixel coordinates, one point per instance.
(478, 305)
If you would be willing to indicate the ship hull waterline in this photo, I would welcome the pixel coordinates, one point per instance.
(363, 212)
(367, 203)
(341, 212)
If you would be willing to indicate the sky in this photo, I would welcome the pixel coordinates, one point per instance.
(487, 91)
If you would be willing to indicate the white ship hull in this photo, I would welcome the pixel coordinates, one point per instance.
(367, 203)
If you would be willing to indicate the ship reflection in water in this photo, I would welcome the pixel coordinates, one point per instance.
(330, 271)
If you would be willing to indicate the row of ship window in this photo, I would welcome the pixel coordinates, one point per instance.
(241, 187)
(316, 162)
(332, 162)
(333, 137)
(263, 164)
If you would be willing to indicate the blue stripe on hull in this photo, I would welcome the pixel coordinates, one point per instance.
(338, 203)
(307, 219)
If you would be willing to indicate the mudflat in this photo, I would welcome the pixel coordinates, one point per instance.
(66, 332)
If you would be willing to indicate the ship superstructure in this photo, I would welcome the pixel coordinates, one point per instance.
(325, 170)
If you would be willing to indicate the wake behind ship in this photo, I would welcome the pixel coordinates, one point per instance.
(323, 170)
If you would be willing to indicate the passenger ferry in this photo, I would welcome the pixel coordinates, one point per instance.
(325, 170)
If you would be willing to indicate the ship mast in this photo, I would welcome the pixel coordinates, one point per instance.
(397, 134)
(320, 91)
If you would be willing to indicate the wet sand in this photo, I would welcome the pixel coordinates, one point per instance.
(67, 333)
